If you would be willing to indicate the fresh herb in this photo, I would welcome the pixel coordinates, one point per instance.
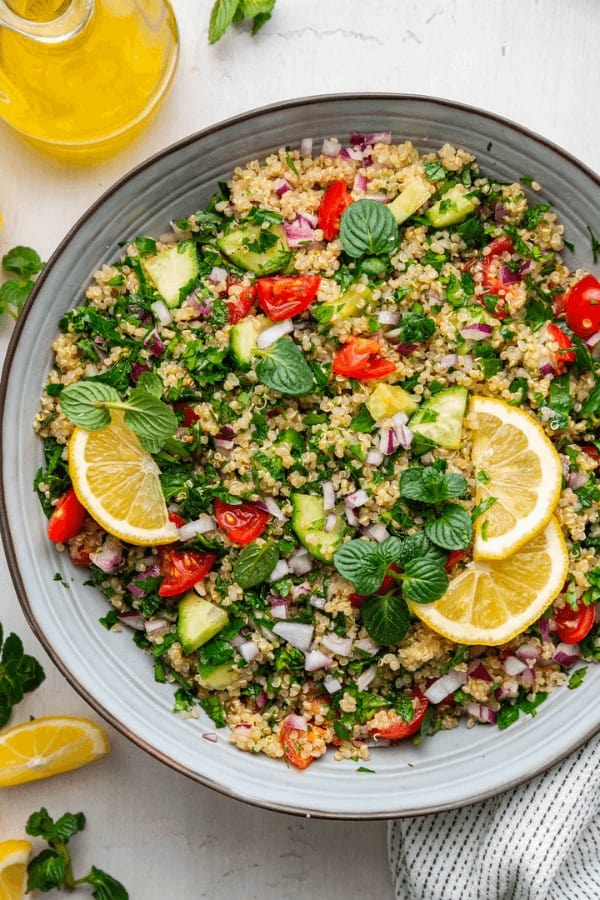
(453, 530)
(226, 12)
(537, 313)
(145, 246)
(534, 215)
(366, 769)
(595, 244)
(88, 404)
(591, 407)
(363, 421)
(482, 508)
(24, 263)
(473, 233)
(386, 618)
(213, 708)
(509, 714)
(560, 402)
(432, 484)
(368, 227)
(19, 674)
(52, 868)
(54, 475)
(576, 679)
(254, 564)
(283, 367)
(435, 171)
(415, 327)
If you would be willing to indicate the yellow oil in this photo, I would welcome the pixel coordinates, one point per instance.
(91, 94)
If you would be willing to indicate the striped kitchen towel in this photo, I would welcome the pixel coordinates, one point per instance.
(540, 841)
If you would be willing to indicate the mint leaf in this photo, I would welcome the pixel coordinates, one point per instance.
(22, 261)
(105, 886)
(254, 564)
(14, 293)
(19, 674)
(150, 418)
(221, 18)
(68, 825)
(453, 530)
(252, 8)
(386, 618)
(424, 580)
(368, 227)
(361, 563)
(431, 484)
(45, 871)
(283, 367)
(418, 546)
(151, 383)
(84, 403)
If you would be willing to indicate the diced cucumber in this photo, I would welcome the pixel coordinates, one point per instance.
(410, 199)
(172, 269)
(351, 302)
(242, 340)
(389, 399)
(220, 677)
(308, 521)
(259, 250)
(198, 621)
(440, 418)
(452, 208)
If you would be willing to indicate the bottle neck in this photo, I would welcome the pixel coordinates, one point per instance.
(54, 31)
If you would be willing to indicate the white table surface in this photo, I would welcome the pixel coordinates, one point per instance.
(534, 62)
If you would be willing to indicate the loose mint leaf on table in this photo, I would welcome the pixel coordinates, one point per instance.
(13, 295)
(368, 227)
(221, 17)
(255, 564)
(19, 674)
(105, 886)
(386, 618)
(283, 367)
(226, 12)
(424, 580)
(46, 871)
(22, 261)
(453, 530)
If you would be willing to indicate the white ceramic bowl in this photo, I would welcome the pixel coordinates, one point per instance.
(451, 769)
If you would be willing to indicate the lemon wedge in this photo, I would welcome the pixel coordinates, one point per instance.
(118, 483)
(491, 601)
(517, 470)
(14, 856)
(48, 746)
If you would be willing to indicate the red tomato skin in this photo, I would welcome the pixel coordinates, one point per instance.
(454, 557)
(182, 569)
(591, 451)
(360, 358)
(289, 738)
(334, 202)
(242, 523)
(572, 625)
(566, 353)
(401, 729)
(582, 306)
(189, 416)
(388, 583)
(176, 520)
(239, 306)
(491, 280)
(67, 519)
(285, 296)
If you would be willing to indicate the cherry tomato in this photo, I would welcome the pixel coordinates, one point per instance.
(454, 557)
(284, 296)
(398, 728)
(67, 519)
(591, 451)
(239, 305)
(565, 353)
(572, 625)
(176, 520)
(182, 569)
(559, 302)
(582, 306)
(491, 275)
(242, 523)
(335, 200)
(189, 416)
(361, 358)
(294, 743)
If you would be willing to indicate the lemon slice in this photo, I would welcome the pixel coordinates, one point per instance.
(118, 483)
(48, 746)
(517, 466)
(492, 601)
(14, 856)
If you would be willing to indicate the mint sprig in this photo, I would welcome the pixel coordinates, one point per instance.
(226, 12)
(24, 263)
(19, 674)
(88, 404)
(368, 227)
(283, 367)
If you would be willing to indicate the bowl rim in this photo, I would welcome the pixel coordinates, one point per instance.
(7, 540)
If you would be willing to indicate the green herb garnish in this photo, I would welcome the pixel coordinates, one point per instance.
(283, 367)
(19, 674)
(368, 227)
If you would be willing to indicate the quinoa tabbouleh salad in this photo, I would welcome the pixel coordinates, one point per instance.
(328, 447)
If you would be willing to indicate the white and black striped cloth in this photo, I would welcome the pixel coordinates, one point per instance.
(538, 842)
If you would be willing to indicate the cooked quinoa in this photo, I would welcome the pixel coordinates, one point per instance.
(463, 305)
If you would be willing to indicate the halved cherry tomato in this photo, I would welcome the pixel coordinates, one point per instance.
(335, 200)
(572, 625)
(176, 520)
(284, 296)
(240, 304)
(294, 743)
(566, 353)
(189, 416)
(454, 557)
(67, 519)
(361, 358)
(491, 276)
(182, 569)
(591, 451)
(559, 302)
(398, 728)
(582, 306)
(242, 523)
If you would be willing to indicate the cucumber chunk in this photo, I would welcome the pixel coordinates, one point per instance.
(256, 249)
(308, 521)
(220, 677)
(351, 302)
(198, 621)
(452, 208)
(172, 269)
(414, 194)
(389, 399)
(440, 418)
(242, 340)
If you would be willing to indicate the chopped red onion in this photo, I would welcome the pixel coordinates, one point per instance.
(477, 331)
(262, 700)
(360, 183)
(565, 464)
(592, 340)
(500, 212)
(374, 458)
(279, 609)
(202, 525)
(297, 634)
(376, 531)
(405, 436)
(340, 645)
(156, 627)
(298, 723)
(306, 147)
(467, 363)
(545, 630)
(577, 480)
(366, 645)
(482, 713)
(405, 349)
(202, 306)
(132, 619)
(223, 443)
(354, 153)
(379, 197)
(273, 509)
(317, 602)
(249, 651)
(280, 571)
(109, 557)
(282, 186)
(331, 147)
(210, 736)
(525, 267)
(444, 686)
(162, 312)
(449, 360)
(546, 368)
(399, 419)
(388, 441)
(566, 654)
(528, 676)
(356, 499)
(478, 670)
(513, 666)
(328, 495)
(153, 343)
(298, 232)
(368, 140)
(237, 641)
(217, 274)
(527, 652)
(299, 590)
(242, 726)
(310, 218)
(365, 678)
(316, 660)
(330, 521)
(151, 572)
(351, 517)
(507, 691)
(331, 684)
(137, 370)
(272, 334)
(300, 563)
(508, 277)
(388, 317)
